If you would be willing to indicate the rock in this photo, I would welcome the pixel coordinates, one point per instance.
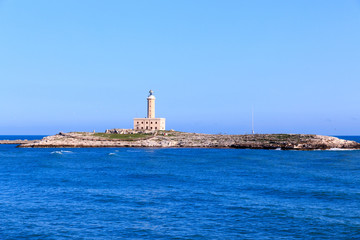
(18, 141)
(190, 140)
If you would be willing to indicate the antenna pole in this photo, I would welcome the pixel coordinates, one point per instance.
(252, 119)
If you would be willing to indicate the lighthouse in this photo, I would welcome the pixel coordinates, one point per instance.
(151, 105)
(150, 123)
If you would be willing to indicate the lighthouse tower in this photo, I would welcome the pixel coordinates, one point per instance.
(151, 105)
(150, 123)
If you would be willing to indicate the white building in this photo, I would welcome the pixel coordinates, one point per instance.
(150, 122)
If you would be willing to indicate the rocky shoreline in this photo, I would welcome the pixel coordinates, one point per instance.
(18, 141)
(168, 139)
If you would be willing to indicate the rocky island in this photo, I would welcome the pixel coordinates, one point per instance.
(150, 132)
(174, 139)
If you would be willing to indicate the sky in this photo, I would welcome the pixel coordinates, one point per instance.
(88, 65)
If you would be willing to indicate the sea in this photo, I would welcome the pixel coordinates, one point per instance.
(145, 193)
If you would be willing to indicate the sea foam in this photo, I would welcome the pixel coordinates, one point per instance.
(61, 152)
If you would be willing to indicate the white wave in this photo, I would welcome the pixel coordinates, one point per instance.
(278, 149)
(342, 149)
(61, 152)
(112, 154)
(57, 152)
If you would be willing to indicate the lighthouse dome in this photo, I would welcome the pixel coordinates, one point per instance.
(151, 96)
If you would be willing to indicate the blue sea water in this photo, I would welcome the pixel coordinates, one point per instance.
(135, 193)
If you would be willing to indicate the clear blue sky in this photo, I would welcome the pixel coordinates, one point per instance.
(83, 65)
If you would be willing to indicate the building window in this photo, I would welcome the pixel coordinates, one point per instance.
(142, 122)
(151, 122)
(155, 127)
(147, 127)
(155, 122)
(151, 128)
(142, 128)
(137, 128)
